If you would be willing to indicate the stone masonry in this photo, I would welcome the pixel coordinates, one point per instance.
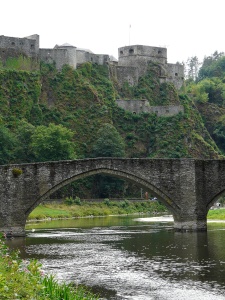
(187, 187)
(139, 106)
(131, 65)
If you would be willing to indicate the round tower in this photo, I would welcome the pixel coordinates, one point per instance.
(139, 55)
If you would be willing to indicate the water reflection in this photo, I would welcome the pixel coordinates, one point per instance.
(125, 258)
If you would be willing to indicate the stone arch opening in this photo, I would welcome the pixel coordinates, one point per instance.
(165, 199)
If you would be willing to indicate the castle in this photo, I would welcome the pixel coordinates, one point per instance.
(131, 65)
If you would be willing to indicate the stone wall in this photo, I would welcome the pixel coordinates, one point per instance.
(27, 45)
(175, 74)
(132, 64)
(139, 106)
(134, 55)
(87, 56)
(188, 187)
(59, 56)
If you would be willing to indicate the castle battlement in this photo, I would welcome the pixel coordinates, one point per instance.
(132, 61)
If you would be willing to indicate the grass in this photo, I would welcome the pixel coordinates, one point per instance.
(63, 211)
(23, 279)
(218, 214)
(54, 210)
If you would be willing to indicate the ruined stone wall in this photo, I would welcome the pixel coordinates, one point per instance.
(139, 106)
(28, 45)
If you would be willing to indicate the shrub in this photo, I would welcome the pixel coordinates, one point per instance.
(16, 172)
(69, 201)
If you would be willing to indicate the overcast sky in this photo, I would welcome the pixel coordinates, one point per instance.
(185, 27)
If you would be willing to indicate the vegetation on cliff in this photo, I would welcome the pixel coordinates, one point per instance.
(70, 108)
(208, 94)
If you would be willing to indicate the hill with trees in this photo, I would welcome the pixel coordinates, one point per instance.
(53, 115)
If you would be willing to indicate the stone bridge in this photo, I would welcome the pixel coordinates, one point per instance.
(187, 187)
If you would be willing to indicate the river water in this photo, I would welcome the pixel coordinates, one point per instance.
(131, 257)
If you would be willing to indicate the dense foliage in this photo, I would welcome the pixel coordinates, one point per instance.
(67, 114)
(208, 94)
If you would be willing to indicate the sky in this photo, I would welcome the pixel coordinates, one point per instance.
(186, 28)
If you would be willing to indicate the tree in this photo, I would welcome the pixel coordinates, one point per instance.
(192, 68)
(213, 66)
(8, 145)
(108, 143)
(24, 132)
(53, 142)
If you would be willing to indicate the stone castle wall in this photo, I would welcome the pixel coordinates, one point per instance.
(28, 45)
(134, 55)
(86, 56)
(139, 106)
(138, 56)
(59, 56)
(132, 64)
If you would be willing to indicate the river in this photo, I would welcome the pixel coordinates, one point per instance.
(130, 257)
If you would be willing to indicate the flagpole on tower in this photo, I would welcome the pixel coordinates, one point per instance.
(129, 33)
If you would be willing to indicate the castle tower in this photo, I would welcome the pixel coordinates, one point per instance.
(139, 55)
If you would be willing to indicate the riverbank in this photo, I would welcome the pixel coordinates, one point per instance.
(23, 279)
(216, 214)
(106, 208)
(84, 209)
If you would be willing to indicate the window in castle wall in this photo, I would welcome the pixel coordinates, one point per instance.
(13, 44)
(131, 51)
(32, 46)
(159, 52)
(121, 52)
(134, 113)
(176, 74)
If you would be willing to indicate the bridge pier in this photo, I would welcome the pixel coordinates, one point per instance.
(190, 224)
(13, 223)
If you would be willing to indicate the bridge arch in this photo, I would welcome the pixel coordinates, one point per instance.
(162, 196)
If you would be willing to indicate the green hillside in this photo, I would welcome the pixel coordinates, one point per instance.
(71, 108)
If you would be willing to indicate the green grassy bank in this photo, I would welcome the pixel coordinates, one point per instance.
(23, 279)
(217, 214)
(76, 208)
